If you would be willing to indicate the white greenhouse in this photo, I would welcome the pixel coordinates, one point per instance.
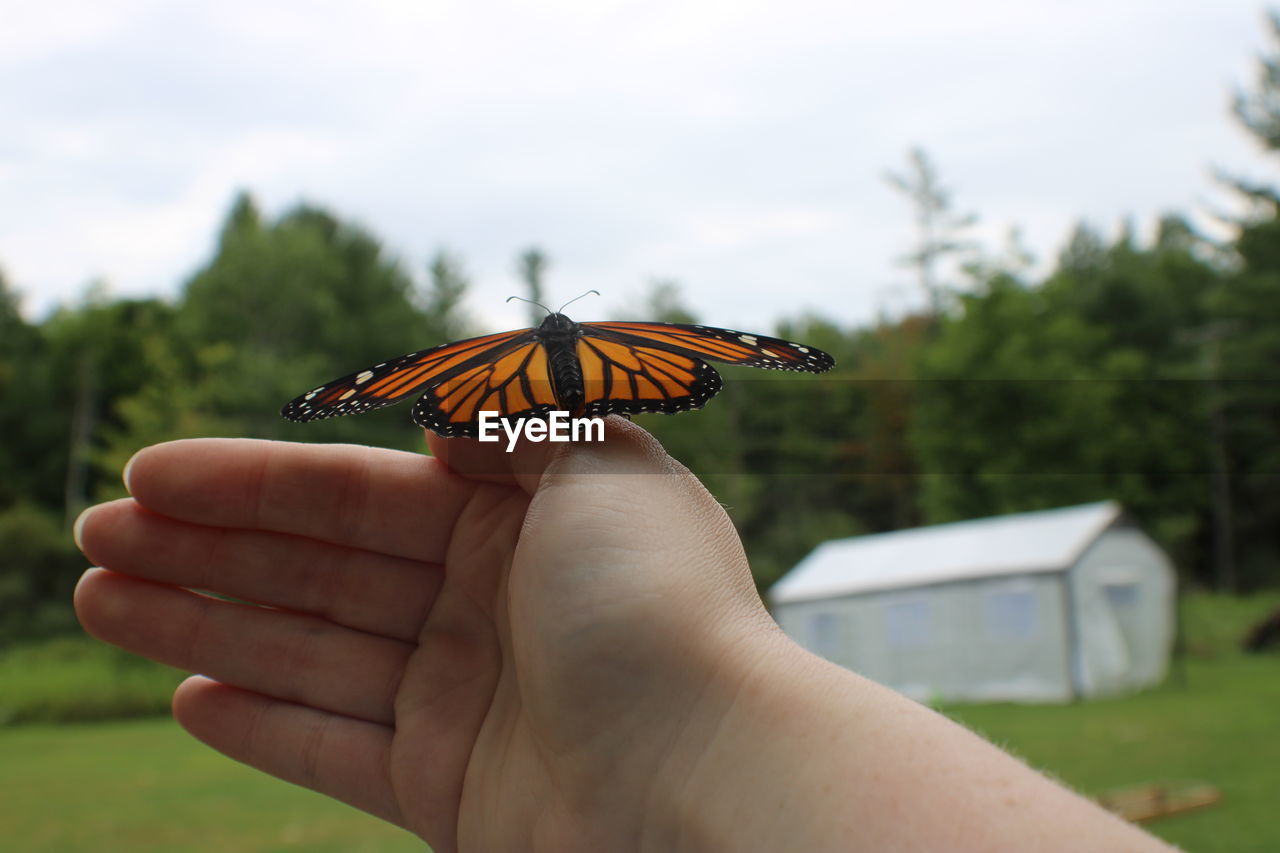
(1040, 606)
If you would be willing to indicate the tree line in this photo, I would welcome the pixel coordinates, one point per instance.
(1143, 372)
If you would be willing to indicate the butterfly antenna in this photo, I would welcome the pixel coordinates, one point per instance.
(531, 302)
(576, 298)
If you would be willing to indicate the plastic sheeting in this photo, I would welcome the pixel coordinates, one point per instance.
(1044, 606)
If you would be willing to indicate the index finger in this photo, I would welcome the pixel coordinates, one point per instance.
(387, 501)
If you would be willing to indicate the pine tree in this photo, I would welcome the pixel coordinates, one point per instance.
(938, 227)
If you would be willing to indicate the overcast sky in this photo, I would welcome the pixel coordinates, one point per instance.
(736, 147)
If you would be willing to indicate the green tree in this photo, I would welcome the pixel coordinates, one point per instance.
(531, 266)
(38, 573)
(1258, 109)
(797, 458)
(662, 302)
(1073, 390)
(303, 285)
(92, 360)
(62, 383)
(1247, 313)
(39, 563)
(24, 396)
(446, 319)
(1144, 299)
(1241, 348)
(286, 305)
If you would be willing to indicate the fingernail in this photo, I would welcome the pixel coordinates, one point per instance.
(124, 475)
(79, 525)
(87, 572)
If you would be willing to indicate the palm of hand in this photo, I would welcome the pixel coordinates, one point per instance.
(473, 663)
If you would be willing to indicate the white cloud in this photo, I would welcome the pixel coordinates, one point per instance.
(736, 147)
(38, 30)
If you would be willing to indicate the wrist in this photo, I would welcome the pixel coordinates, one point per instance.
(748, 746)
(799, 754)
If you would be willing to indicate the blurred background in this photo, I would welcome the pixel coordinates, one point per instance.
(1041, 239)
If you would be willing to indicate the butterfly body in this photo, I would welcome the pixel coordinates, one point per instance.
(586, 369)
(559, 335)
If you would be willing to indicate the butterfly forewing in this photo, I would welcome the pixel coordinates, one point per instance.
(718, 344)
(394, 380)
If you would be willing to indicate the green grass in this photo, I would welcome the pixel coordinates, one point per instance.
(74, 679)
(1222, 726)
(1215, 720)
(147, 787)
(1213, 626)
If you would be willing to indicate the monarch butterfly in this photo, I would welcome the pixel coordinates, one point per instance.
(587, 369)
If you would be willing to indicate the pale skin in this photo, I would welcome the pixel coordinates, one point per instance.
(559, 649)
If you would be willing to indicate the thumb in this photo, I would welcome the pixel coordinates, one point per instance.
(626, 447)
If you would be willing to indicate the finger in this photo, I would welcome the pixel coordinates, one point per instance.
(365, 590)
(397, 503)
(286, 655)
(492, 462)
(525, 463)
(340, 757)
(601, 503)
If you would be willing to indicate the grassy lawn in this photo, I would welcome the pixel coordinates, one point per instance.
(1222, 727)
(72, 679)
(1215, 720)
(147, 787)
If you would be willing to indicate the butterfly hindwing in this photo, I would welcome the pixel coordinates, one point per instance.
(515, 385)
(623, 378)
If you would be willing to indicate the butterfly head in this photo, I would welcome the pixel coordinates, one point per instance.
(556, 323)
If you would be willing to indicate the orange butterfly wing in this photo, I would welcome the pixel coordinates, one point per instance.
(630, 368)
(394, 380)
(627, 368)
(622, 378)
(517, 384)
(724, 345)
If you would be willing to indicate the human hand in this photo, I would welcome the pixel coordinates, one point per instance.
(556, 649)
(518, 651)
